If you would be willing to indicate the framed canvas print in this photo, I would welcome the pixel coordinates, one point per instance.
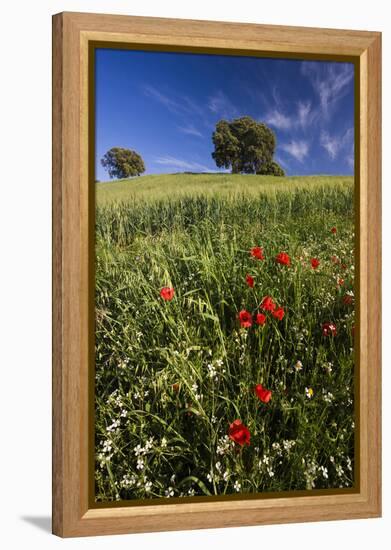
(216, 274)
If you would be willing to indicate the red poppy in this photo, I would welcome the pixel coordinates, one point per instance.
(279, 313)
(268, 304)
(333, 230)
(257, 252)
(167, 293)
(260, 319)
(344, 266)
(263, 394)
(315, 263)
(347, 300)
(245, 318)
(329, 329)
(283, 259)
(340, 281)
(250, 281)
(239, 433)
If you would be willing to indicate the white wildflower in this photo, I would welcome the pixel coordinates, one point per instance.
(107, 446)
(298, 366)
(169, 492)
(324, 471)
(138, 450)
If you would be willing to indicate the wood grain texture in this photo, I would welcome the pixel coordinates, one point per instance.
(72, 292)
(57, 370)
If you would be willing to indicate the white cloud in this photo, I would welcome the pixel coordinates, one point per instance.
(297, 149)
(221, 105)
(305, 114)
(331, 144)
(169, 103)
(278, 120)
(190, 130)
(182, 164)
(335, 144)
(331, 81)
(303, 118)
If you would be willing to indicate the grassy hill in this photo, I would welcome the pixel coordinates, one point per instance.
(163, 186)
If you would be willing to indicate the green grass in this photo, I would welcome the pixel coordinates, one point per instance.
(172, 376)
(179, 185)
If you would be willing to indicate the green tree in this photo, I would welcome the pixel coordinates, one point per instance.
(246, 146)
(272, 169)
(122, 163)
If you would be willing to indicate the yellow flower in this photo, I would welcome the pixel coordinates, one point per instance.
(309, 392)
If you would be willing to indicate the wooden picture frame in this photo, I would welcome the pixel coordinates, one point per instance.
(73, 292)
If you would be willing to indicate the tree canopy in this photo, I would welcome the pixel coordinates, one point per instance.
(245, 146)
(122, 163)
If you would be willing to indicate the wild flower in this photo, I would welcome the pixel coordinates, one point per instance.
(250, 281)
(167, 293)
(328, 396)
(128, 481)
(169, 492)
(328, 367)
(323, 470)
(107, 446)
(329, 329)
(139, 450)
(224, 445)
(288, 444)
(263, 394)
(260, 319)
(257, 252)
(245, 318)
(279, 313)
(239, 433)
(268, 304)
(298, 366)
(309, 392)
(212, 372)
(283, 259)
(114, 426)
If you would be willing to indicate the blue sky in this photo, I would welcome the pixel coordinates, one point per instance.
(165, 106)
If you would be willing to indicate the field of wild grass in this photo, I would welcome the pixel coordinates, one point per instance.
(224, 335)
